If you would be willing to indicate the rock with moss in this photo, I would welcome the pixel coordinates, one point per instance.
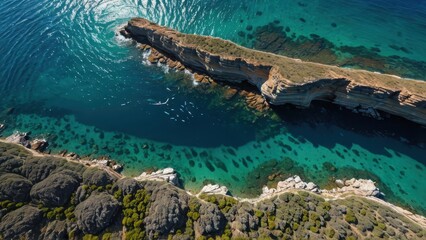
(168, 210)
(127, 186)
(247, 218)
(37, 169)
(98, 177)
(211, 221)
(22, 223)
(96, 213)
(56, 230)
(56, 189)
(14, 187)
(10, 164)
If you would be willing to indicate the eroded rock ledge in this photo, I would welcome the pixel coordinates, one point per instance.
(281, 79)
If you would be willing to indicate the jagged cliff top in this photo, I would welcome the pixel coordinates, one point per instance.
(292, 70)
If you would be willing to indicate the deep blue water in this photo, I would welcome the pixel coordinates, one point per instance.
(68, 75)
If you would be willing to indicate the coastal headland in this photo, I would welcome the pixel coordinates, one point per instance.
(279, 79)
(45, 196)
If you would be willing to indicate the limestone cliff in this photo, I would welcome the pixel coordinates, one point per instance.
(281, 79)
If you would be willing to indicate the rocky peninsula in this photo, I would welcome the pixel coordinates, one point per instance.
(45, 196)
(279, 79)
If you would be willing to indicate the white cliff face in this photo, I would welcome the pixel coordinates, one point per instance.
(284, 80)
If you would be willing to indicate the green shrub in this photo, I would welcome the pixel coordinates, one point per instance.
(106, 236)
(90, 237)
(118, 194)
(350, 217)
(258, 213)
(295, 226)
(330, 232)
(381, 226)
(313, 229)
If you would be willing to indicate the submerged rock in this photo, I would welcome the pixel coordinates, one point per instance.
(96, 213)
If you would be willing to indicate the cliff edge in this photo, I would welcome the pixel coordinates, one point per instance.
(281, 79)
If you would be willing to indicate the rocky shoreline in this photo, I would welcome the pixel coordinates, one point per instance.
(280, 80)
(59, 197)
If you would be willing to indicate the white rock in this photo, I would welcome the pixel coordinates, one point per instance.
(300, 185)
(214, 189)
(310, 186)
(168, 171)
(340, 183)
(297, 179)
(167, 174)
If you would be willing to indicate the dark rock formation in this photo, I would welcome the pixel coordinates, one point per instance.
(10, 164)
(245, 219)
(127, 186)
(56, 230)
(22, 223)
(37, 169)
(96, 213)
(168, 210)
(56, 189)
(211, 220)
(14, 187)
(95, 176)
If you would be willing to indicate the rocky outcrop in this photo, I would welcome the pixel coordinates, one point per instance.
(283, 80)
(294, 182)
(167, 174)
(56, 189)
(127, 186)
(96, 212)
(168, 210)
(214, 189)
(37, 170)
(56, 230)
(21, 223)
(360, 187)
(95, 176)
(39, 144)
(211, 220)
(21, 138)
(14, 187)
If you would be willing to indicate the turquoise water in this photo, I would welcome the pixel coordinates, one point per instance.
(70, 79)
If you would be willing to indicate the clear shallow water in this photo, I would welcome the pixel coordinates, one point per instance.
(70, 79)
